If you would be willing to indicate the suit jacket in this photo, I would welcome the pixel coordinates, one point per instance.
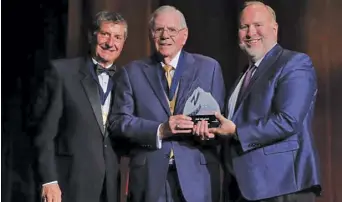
(275, 153)
(72, 145)
(141, 105)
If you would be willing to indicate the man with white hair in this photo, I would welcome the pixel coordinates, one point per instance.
(168, 163)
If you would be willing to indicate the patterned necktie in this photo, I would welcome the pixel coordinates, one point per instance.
(168, 69)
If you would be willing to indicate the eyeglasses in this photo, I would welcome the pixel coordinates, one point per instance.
(170, 30)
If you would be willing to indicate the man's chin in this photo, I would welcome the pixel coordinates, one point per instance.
(163, 54)
(105, 60)
(101, 59)
(255, 55)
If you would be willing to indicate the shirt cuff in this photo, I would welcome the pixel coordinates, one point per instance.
(53, 182)
(159, 141)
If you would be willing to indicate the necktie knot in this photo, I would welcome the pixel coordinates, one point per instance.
(252, 67)
(168, 68)
(110, 71)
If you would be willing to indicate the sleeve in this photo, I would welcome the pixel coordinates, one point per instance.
(45, 114)
(123, 120)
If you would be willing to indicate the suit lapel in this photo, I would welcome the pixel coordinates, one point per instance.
(266, 63)
(91, 88)
(153, 73)
(187, 80)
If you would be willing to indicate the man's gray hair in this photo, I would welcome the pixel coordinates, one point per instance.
(167, 8)
(106, 16)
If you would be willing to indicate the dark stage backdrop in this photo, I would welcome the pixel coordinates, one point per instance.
(54, 29)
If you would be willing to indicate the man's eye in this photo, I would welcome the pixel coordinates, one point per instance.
(159, 29)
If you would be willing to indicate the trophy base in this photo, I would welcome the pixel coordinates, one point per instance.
(213, 122)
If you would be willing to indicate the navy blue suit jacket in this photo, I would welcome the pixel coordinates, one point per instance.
(140, 106)
(275, 152)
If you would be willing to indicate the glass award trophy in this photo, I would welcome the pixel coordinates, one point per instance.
(202, 105)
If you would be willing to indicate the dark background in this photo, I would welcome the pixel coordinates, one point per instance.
(38, 30)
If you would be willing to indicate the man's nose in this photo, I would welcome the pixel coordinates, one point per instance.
(110, 42)
(251, 31)
(165, 34)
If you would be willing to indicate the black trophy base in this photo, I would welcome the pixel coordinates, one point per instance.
(213, 122)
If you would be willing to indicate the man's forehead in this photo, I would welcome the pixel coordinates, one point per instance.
(169, 18)
(111, 26)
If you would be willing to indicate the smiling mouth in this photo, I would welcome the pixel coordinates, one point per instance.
(252, 42)
(109, 50)
(164, 44)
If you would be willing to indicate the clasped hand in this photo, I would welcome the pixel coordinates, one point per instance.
(175, 125)
(178, 124)
(226, 128)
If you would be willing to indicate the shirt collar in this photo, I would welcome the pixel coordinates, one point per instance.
(174, 61)
(257, 63)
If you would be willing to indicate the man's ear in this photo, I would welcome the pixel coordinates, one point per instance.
(275, 28)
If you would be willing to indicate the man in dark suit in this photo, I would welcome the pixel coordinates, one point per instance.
(75, 155)
(268, 145)
(167, 162)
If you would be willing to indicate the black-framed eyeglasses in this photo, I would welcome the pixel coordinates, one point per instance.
(157, 32)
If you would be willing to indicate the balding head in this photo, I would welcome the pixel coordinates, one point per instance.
(258, 3)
